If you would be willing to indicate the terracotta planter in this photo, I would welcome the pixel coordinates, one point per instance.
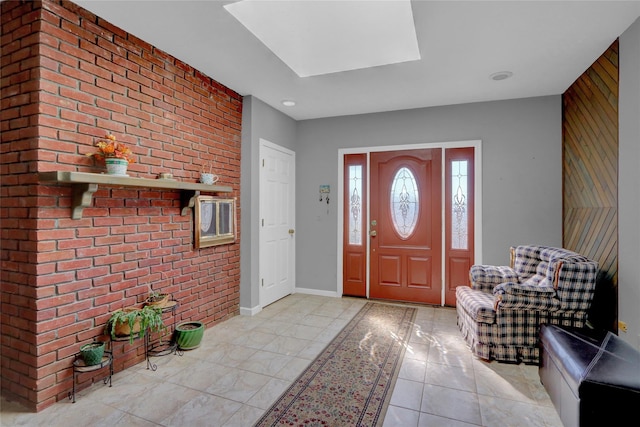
(189, 335)
(134, 322)
(123, 329)
(158, 301)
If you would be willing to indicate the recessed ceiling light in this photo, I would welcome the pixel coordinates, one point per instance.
(289, 103)
(501, 75)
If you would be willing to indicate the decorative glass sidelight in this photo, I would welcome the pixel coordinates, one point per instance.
(404, 202)
(459, 207)
(355, 205)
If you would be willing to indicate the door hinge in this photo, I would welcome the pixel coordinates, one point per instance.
(262, 162)
(263, 282)
(263, 222)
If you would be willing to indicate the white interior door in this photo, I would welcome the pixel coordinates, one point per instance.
(277, 222)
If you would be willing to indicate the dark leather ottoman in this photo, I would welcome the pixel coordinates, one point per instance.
(593, 378)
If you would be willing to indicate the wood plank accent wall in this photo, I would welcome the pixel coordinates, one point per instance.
(590, 177)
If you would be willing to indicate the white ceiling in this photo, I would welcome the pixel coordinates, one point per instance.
(546, 44)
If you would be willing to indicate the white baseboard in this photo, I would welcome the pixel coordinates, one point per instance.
(244, 311)
(317, 292)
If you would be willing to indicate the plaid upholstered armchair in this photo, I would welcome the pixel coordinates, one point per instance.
(500, 314)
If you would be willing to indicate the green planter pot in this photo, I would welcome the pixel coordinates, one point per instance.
(189, 335)
(92, 353)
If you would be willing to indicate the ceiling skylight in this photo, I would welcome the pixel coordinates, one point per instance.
(315, 37)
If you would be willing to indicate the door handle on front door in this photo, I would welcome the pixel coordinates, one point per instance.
(373, 233)
(291, 231)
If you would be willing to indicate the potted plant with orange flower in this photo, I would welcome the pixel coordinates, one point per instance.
(115, 155)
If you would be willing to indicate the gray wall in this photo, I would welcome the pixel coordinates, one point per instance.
(258, 121)
(522, 173)
(522, 179)
(628, 189)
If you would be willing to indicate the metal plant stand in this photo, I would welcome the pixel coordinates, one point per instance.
(162, 347)
(79, 367)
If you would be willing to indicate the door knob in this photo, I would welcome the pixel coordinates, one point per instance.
(291, 231)
(373, 233)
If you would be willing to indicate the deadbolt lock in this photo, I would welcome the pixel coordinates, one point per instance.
(374, 223)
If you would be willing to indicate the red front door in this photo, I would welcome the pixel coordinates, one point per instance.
(405, 226)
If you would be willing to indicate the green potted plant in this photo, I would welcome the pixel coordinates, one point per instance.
(92, 353)
(135, 322)
(189, 334)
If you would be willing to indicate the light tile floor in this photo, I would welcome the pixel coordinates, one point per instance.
(245, 363)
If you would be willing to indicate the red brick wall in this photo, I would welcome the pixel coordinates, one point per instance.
(69, 77)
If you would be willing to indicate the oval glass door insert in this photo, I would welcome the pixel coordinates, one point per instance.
(404, 202)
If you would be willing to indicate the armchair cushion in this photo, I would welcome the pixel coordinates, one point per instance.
(576, 284)
(571, 274)
(525, 296)
(526, 260)
(486, 277)
(538, 280)
(479, 304)
(526, 288)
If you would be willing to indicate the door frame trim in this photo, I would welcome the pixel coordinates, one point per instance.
(477, 188)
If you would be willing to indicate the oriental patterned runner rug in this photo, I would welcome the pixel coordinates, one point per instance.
(351, 381)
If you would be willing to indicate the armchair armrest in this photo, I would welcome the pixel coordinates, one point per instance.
(485, 277)
(524, 296)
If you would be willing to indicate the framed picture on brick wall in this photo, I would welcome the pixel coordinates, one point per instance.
(215, 221)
